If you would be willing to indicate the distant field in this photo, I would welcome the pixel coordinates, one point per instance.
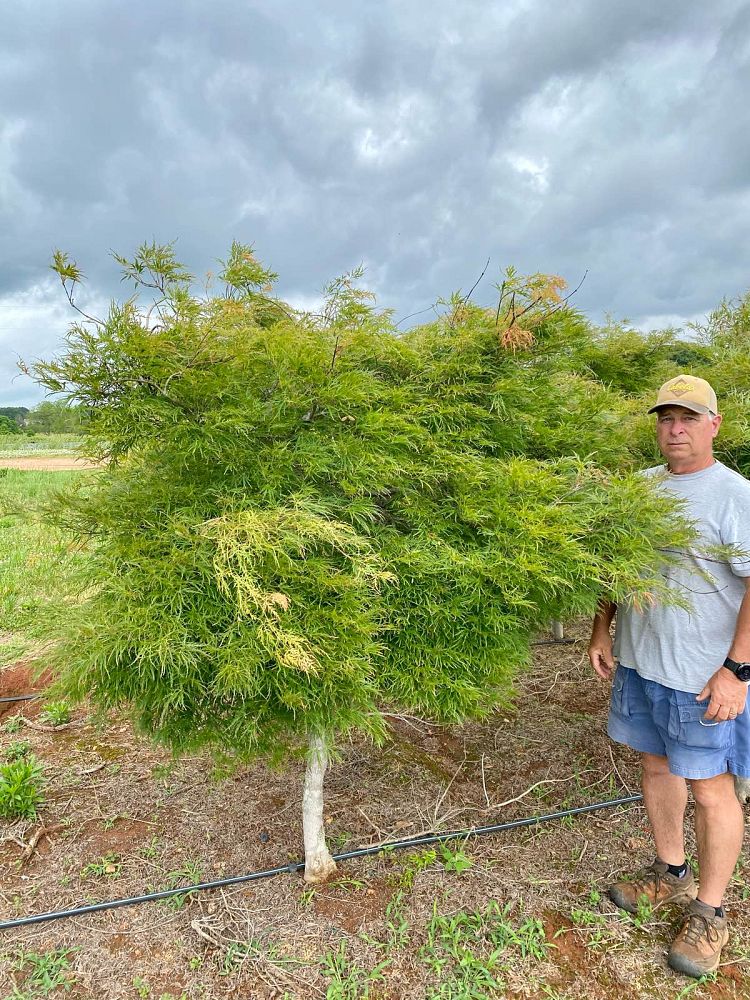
(12, 445)
(30, 556)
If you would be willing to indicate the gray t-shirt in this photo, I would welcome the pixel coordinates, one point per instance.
(678, 648)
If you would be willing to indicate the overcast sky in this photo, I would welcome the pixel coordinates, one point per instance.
(420, 139)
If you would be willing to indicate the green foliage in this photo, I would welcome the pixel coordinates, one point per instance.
(630, 361)
(414, 864)
(13, 724)
(347, 980)
(469, 951)
(56, 417)
(16, 413)
(21, 788)
(190, 872)
(34, 557)
(302, 517)
(8, 425)
(108, 866)
(55, 713)
(43, 973)
(17, 750)
(455, 860)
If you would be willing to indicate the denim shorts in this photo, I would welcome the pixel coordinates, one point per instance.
(655, 719)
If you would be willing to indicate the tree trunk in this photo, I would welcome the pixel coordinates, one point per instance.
(319, 865)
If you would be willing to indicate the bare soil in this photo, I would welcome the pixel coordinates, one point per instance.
(123, 818)
(46, 463)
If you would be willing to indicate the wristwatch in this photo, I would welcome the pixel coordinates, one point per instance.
(740, 670)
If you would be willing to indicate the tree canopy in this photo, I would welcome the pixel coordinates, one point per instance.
(301, 518)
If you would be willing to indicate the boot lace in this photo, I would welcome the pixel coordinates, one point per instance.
(698, 927)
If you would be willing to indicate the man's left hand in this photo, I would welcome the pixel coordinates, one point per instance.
(727, 694)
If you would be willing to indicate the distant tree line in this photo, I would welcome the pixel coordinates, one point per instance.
(49, 417)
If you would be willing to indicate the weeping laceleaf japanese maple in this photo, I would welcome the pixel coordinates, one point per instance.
(300, 518)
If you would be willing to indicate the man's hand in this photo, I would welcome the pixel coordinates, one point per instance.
(600, 654)
(727, 695)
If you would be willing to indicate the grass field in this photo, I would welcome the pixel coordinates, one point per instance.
(12, 445)
(30, 555)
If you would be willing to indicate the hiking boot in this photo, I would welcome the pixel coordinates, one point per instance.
(654, 885)
(697, 948)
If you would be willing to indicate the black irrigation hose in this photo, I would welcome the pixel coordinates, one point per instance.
(295, 866)
(20, 697)
(554, 642)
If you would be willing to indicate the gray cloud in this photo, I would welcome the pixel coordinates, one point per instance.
(612, 137)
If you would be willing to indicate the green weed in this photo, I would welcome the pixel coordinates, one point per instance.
(347, 980)
(56, 713)
(415, 863)
(13, 725)
(644, 912)
(455, 861)
(191, 872)
(469, 951)
(109, 866)
(21, 788)
(42, 972)
(141, 987)
(17, 750)
(693, 987)
(396, 924)
(151, 849)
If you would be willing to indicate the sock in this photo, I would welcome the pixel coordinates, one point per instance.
(718, 910)
(679, 871)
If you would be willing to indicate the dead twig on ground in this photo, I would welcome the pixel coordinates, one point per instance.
(372, 824)
(484, 785)
(49, 729)
(90, 770)
(43, 831)
(29, 846)
(623, 782)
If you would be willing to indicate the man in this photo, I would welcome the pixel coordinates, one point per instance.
(680, 682)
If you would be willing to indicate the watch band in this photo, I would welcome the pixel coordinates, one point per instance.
(740, 670)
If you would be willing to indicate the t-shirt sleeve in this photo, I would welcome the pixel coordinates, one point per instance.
(736, 533)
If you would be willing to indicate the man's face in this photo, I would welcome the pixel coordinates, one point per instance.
(686, 438)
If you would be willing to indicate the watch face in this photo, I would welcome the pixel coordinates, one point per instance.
(743, 672)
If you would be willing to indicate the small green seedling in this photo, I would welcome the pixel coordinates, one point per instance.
(191, 873)
(455, 861)
(17, 750)
(21, 784)
(14, 724)
(43, 972)
(109, 866)
(56, 713)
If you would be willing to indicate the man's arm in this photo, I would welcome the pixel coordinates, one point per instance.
(726, 692)
(600, 646)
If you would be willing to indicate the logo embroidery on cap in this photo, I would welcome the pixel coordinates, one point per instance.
(680, 387)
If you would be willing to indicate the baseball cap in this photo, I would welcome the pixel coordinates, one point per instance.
(689, 391)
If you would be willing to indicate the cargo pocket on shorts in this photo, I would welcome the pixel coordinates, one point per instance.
(689, 728)
(619, 702)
